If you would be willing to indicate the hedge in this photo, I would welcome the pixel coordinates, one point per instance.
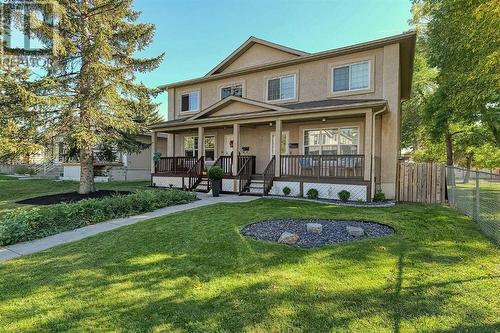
(23, 224)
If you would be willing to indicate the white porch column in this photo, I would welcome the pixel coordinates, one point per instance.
(277, 148)
(201, 142)
(170, 145)
(368, 145)
(236, 148)
(153, 150)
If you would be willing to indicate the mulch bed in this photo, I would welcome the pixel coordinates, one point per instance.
(69, 197)
(334, 231)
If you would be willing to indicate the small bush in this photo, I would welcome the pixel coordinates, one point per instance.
(26, 224)
(215, 173)
(24, 170)
(344, 195)
(312, 193)
(286, 191)
(379, 196)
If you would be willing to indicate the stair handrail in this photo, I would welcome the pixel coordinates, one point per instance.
(268, 176)
(195, 173)
(244, 175)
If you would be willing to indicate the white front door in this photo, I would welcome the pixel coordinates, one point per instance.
(228, 144)
(285, 138)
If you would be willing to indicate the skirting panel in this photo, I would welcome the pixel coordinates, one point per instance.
(230, 185)
(278, 187)
(330, 191)
(167, 181)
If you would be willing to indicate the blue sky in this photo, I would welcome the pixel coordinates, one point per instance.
(196, 35)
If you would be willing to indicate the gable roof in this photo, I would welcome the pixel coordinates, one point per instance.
(232, 99)
(247, 45)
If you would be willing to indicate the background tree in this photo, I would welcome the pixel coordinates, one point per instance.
(99, 101)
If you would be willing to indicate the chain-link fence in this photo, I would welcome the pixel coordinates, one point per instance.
(477, 194)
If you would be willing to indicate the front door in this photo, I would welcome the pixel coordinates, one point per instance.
(285, 138)
(228, 144)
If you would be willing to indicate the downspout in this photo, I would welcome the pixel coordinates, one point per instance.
(373, 150)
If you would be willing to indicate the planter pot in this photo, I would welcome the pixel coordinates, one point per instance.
(216, 187)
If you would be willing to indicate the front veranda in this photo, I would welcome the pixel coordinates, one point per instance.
(328, 153)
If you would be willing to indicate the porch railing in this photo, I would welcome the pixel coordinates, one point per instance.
(175, 165)
(225, 163)
(268, 175)
(323, 166)
(195, 174)
(245, 175)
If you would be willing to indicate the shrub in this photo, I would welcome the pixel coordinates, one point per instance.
(26, 224)
(215, 173)
(286, 191)
(379, 196)
(24, 170)
(312, 193)
(344, 195)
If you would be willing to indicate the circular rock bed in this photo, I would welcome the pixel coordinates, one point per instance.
(331, 231)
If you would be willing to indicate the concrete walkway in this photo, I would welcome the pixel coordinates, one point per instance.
(37, 245)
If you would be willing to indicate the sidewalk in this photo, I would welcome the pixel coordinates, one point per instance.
(37, 245)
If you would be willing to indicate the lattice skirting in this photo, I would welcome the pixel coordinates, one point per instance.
(325, 190)
(230, 185)
(167, 181)
(278, 187)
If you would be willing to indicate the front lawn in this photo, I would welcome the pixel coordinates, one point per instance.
(13, 189)
(194, 272)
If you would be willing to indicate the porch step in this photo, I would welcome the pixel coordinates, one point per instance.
(203, 186)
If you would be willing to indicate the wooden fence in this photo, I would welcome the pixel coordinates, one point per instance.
(421, 182)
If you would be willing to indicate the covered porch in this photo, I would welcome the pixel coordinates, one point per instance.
(329, 150)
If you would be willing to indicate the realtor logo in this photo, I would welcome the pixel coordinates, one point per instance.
(19, 23)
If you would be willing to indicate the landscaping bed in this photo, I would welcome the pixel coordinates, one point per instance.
(69, 197)
(332, 231)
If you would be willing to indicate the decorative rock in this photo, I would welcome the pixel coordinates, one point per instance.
(315, 228)
(355, 231)
(288, 238)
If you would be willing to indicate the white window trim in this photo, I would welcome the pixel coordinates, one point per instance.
(271, 146)
(231, 84)
(339, 64)
(179, 101)
(303, 150)
(295, 74)
(196, 136)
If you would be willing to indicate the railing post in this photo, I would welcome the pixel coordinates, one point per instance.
(277, 148)
(153, 151)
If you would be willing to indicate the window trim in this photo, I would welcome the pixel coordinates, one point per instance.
(348, 63)
(231, 84)
(295, 97)
(195, 136)
(186, 92)
(303, 148)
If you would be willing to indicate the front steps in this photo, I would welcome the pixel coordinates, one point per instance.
(203, 186)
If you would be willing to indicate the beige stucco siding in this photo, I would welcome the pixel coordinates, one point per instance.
(142, 160)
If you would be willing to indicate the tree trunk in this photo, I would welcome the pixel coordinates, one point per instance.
(449, 148)
(87, 184)
(467, 174)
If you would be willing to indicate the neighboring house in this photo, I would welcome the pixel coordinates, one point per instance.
(336, 114)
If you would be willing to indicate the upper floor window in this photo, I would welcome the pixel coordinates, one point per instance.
(232, 90)
(351, 77)
(281, 88)
(190, 101)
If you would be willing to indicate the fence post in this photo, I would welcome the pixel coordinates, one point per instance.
(476, 211)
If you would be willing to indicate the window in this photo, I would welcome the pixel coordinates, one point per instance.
(190, 101)
(233, 90)
(281, 88)
(351, 77)
(331, 141)
(191, 147)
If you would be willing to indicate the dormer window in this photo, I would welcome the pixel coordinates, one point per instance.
(190, 101)
(282, 88)
(231, 90)
(351, 77)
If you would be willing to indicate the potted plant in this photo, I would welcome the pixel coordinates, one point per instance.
(215, 174)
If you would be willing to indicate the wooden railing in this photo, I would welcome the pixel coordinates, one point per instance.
(268, 175)
(175, 165)
(195, 174)
(323, 166)
(225, 163)
(243, 158)
(245, 175)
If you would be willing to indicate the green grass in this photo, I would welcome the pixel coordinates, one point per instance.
(12, 189)
(194, 272)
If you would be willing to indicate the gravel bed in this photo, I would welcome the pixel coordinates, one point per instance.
(334, 231)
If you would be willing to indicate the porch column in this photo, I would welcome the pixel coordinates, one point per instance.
(170, 145)
(153, 150)
(201, 142)
(368, 145)
(236, 148)
(277, 148)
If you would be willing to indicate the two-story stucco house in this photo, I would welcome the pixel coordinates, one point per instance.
(274, 117)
